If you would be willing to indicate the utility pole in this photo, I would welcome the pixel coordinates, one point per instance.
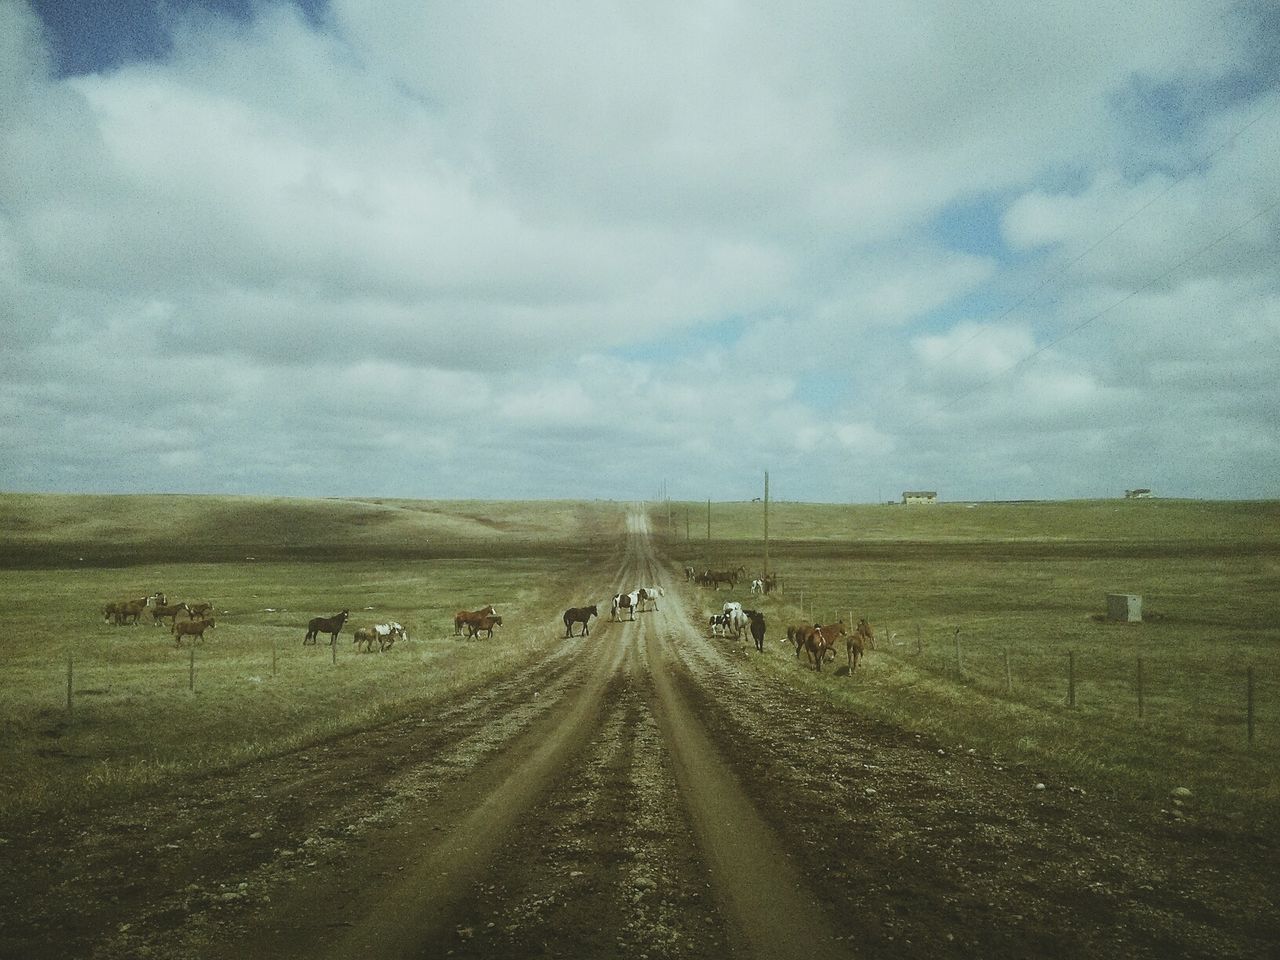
(708, 519)
(766, 523)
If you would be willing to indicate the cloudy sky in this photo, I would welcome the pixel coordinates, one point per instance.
(589, 249)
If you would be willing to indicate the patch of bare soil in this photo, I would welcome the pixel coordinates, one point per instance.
(639, 792)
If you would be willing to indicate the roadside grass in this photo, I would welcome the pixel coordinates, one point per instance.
(136, 723)
(1209, 611)
(1203, 522)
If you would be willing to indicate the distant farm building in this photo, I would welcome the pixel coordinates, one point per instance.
(1142, 493)
(919, 496)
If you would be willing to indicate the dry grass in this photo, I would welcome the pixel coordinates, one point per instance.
(135, 721)
(1030, 580)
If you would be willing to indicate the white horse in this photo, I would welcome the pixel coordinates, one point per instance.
(388, 633)
(651, 594)
(757, 586)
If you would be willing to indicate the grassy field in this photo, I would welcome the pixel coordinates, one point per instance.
(1026, 584)
(135, 720)
(1022, 581)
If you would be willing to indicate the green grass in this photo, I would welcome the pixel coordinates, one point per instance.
(49, 530)
(135, 721)
(1031, 580)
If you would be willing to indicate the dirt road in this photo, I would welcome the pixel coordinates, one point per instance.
(638, 792)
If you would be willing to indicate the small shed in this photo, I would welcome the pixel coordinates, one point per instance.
(1125, 607)
(919, 496)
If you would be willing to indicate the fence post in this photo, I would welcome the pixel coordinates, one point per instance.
(1008, 673)
(191, 677)
(1141, 705)
(1249, 697)
(69, 682)
(1071, 678)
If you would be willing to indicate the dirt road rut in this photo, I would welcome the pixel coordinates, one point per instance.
(638, 792)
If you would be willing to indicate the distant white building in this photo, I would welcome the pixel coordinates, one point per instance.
(1142, 493)
(919, 496)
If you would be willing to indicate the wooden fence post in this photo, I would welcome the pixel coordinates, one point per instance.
(1249, 699)
(1141, 705)
(1071, 678)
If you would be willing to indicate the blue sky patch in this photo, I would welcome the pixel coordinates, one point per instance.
(94, 36)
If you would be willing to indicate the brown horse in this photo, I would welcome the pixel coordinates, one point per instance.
(464, 617)
(190, 628)
(580, 615)
(484, 623)
(330, 625)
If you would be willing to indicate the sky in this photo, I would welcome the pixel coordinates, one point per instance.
(329, 248)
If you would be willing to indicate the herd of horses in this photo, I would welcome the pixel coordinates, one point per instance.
(199, 615)
(817, 641)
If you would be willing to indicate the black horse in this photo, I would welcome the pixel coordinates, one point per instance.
(579, 615)
(330, 625)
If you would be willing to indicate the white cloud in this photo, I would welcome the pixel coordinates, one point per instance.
(618, 245)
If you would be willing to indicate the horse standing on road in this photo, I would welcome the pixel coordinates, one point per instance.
(580, 615)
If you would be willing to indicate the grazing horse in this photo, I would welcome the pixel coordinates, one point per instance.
(170, 610)
(190, 628)
(123, 611)
(715, 577)
(483, 623)
(580, 615)
(689, 573)
(650, 594)
(464, 617)
(330, 625)
(626, 601)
